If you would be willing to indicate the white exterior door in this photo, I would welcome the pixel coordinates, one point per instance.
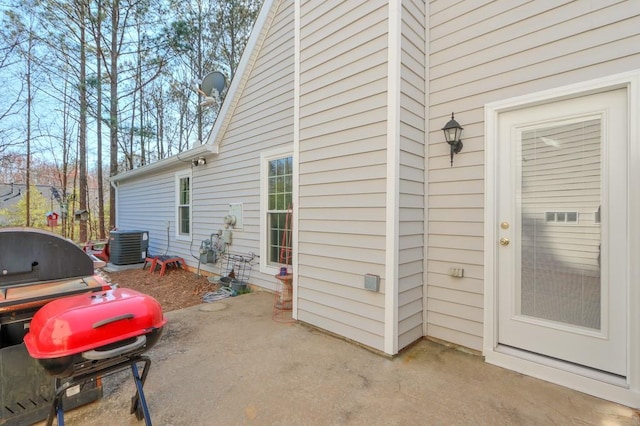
(562, 234)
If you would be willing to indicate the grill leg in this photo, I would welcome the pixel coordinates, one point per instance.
(60, 415)
(139, 400)
(56, 411)
(56, 407)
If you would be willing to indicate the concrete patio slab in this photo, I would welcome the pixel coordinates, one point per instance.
(229, 363)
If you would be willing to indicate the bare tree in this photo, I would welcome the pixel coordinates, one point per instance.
(97, 33)
(152, 62)
(65, 22)
(206, 36)
(81, 11)
(23, 23)
(10, 40)
(113, 107)
(234, 21)
(191, 37)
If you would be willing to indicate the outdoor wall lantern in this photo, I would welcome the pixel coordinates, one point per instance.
(200, 161)
(452, 131)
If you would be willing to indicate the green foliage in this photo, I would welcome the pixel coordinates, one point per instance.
(179, 36)
(15, 214)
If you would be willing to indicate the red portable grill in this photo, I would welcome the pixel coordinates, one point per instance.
(81, 337)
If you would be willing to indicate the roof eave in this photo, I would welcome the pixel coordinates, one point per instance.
(167, 163)
(258, 34)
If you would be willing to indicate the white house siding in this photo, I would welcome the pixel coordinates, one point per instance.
(146, 205)
(479, 52)
(261, 120)
(412, 173)
(342, 166)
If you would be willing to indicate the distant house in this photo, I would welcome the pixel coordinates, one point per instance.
(524, 249)
(12, 193)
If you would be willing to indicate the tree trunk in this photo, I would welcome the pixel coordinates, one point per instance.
(83, 187)
(101, 230)
(200, 68)
(113, 113)
(143, 154)
(64, 178)
(29, 95)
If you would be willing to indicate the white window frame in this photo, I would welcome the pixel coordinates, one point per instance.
(178, 177)
(265, 158)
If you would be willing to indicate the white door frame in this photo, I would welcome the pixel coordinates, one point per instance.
(622, 391)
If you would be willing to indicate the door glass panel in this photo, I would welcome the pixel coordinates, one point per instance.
(559, 200)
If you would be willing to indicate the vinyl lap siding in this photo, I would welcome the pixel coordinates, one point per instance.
(261, 120)
(150, 202)
(412, 168)
(342, 163)
(481, 52)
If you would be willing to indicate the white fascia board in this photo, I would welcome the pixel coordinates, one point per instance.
(165, 163)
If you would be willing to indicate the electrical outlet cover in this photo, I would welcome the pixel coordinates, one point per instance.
(372, 282)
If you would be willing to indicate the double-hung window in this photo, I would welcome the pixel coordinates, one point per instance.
(183, 204)
(277, 190)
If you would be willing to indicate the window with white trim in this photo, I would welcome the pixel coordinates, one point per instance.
(276, 209)
(183, 205)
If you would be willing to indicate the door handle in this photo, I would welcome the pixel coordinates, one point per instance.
(504, 241)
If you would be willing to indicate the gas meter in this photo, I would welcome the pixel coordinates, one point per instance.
(207, 255)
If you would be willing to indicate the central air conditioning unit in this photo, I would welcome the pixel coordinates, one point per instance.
(128, 247)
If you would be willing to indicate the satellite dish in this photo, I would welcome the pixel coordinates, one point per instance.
(213, 80)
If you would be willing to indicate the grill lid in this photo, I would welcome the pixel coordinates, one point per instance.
(29, 255)
(76, 324)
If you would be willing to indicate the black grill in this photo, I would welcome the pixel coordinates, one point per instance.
(36, 267)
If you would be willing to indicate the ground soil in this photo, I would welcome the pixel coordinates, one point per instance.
(177, 289)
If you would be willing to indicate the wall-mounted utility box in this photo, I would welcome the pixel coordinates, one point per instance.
(372, 282)
(235, 209)
(226, 236)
